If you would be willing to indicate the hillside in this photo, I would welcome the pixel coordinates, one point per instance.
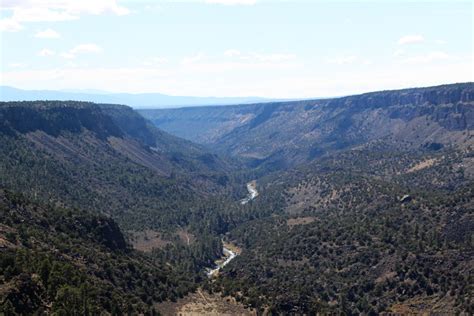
(79, 181)
(68, 261)
(361, 232)
(362, 205)
(106, 158)
(280, 135)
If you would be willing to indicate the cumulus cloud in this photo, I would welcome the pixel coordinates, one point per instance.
(46, 52)
(27, 11)
(48, 33)
(411, 39)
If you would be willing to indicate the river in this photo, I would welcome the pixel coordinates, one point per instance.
(253, 193)
(229, 255)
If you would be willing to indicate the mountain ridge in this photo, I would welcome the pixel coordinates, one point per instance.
(136, 100)
(287, 133)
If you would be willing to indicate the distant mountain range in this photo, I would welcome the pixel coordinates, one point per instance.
(138, 100)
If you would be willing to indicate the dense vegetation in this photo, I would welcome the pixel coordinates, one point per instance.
(107, 159)
(349, 242)
(69, 261)
(83, 162)
(364, 221)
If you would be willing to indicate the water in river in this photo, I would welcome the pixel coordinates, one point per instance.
(229, 255)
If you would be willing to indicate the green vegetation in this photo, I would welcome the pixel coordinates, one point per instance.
(63, 261)
(364, 249)
(350, 219)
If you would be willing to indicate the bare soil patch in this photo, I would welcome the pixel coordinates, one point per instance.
(203, 303)
(300, 221)
(423, 165)
(148, 240)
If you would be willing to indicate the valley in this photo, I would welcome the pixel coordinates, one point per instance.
(270, 208)
(280, 135)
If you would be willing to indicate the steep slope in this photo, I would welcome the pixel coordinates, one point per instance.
(83, 170)
(380, 222)
(68, 261)
(280, 135)
(106, 158)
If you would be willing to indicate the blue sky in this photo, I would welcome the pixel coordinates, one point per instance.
(279, 49)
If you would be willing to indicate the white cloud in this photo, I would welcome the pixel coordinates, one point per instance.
(48, 33)
(46, 52)
(17, 65)
(154, 61)
(232, 2)
(66, 55)
(427, 58)
(342, 60)
(256, 57)
(193, 59)
(411, 39)
(367, 62)
(27, 11)
(399, 52)
(88, 48)
(232, 53)
(274, 58)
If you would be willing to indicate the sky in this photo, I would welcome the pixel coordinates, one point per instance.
(266, 48)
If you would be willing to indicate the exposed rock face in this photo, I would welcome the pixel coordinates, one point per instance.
(288, 133)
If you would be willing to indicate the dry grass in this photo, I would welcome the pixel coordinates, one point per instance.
(423, 165)
(425, 305)
(186, 236)
(203, 303)
(300, 221)
(148, 240)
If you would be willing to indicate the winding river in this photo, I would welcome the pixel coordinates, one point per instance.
(229, 255)
(253, 193)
